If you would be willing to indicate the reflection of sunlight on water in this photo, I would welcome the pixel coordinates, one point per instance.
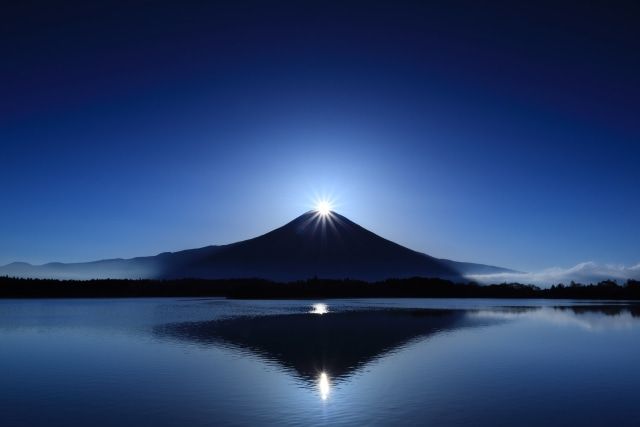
(323, 385)
(319, 308)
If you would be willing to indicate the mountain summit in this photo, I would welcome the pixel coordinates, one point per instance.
(312, 245)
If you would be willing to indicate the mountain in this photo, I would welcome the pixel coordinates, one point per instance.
(311, 245)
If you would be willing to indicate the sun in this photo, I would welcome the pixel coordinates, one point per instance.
(323, 204)
(323, 207)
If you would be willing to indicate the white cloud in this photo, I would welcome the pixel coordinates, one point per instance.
(586, 272)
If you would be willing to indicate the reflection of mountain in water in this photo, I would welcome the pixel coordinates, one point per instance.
(338, 343)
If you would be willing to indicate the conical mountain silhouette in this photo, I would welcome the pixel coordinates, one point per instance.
(312, 245)
(315, 246)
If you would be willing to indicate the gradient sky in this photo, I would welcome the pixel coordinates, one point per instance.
(504, 134)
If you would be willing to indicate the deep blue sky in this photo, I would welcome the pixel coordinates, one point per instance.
(504, 134)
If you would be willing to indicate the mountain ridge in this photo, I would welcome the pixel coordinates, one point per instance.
(310, 245)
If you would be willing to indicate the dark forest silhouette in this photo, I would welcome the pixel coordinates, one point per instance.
(312, 288)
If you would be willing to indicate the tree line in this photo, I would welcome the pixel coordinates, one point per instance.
(416, 287)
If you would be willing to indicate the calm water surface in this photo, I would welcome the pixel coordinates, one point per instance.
(114, 362)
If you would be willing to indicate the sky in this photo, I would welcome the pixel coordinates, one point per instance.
(506, 134)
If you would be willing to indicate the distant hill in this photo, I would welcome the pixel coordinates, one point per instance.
(331, 247)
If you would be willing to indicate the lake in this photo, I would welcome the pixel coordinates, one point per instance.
(450, 362)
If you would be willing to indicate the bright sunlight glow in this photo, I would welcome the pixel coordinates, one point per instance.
(319, 308)
(323, 204)
(323, 207)
(323, 385)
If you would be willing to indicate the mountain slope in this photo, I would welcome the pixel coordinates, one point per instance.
(309, 246)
